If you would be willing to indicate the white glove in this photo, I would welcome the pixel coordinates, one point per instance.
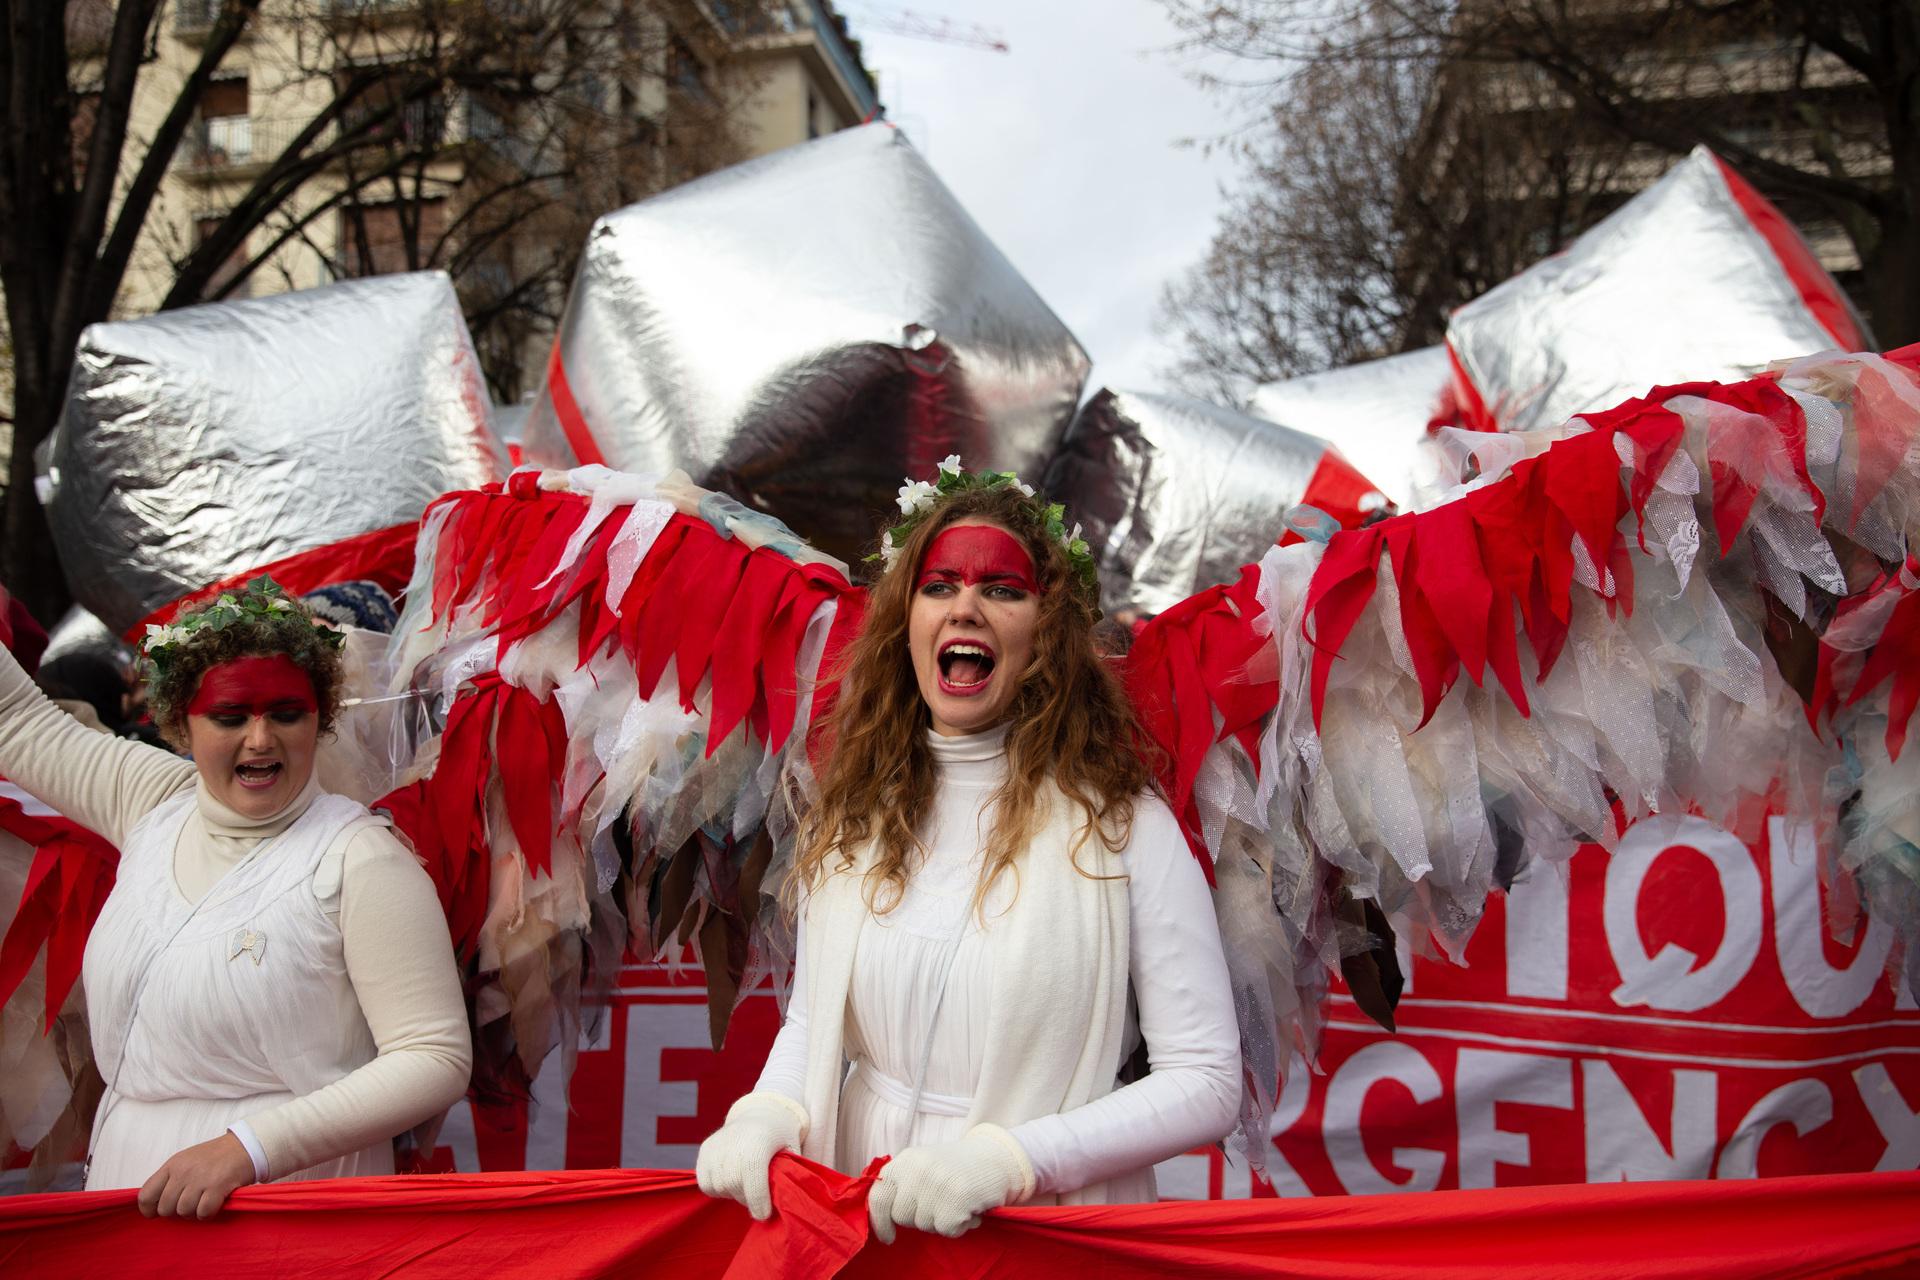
(946, 1187)
(733, 1160)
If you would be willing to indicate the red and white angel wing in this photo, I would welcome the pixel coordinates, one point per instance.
(624, 674)
(1634, 599)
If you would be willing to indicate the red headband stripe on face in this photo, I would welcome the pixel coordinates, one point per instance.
(970, 555)
(254, 687)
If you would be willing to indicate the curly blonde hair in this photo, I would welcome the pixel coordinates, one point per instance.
(1070, 722)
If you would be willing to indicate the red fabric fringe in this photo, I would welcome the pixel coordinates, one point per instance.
(1463, 569)
(1894, 656)
(702, 601)
(1188, 676)
(72, 873)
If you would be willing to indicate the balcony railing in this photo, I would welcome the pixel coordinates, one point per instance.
(416, 126)
(851, 72)
(226, 145)
(194, 17)
(193, 20)
(231, 142)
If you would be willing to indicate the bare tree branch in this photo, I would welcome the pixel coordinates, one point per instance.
(112, 266)
(1534, 118)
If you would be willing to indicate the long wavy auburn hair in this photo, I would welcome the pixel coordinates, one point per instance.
(1070, 723)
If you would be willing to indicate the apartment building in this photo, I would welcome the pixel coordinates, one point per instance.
(479, 138)
(1507, 151)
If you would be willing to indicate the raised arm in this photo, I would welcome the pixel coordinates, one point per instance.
(105, 784)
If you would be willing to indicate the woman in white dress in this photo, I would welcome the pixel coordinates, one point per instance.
(985, 880)
(270, 987)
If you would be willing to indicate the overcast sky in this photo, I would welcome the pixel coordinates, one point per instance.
(1066, 151)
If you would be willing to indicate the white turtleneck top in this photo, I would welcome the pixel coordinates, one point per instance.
(934, 940)
(394, 934)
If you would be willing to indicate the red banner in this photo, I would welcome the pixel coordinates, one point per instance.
(636, 1222)
(1677, 1010)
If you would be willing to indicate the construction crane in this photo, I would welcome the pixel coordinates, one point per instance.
(922, 26)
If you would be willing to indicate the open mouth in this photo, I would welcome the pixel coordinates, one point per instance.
(965, 667)
(258, 776)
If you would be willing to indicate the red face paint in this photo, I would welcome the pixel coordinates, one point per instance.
(253, 687)
(969, 555)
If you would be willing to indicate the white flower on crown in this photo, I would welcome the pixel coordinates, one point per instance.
(951, 464)
(280, 604)
(888, 552)
(159, 637)
(1023, 487)
(916, 496)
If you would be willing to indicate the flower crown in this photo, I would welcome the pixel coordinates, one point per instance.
(262, 598)
(918, 497)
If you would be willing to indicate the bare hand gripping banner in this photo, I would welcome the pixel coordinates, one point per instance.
(800, 332)
(210, 441)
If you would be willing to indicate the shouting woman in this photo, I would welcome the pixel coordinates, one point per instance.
(271, 989)
(987, 892)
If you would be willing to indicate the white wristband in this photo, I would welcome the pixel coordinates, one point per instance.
(255, 1152)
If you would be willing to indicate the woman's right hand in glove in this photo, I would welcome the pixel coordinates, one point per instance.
(733, 1162)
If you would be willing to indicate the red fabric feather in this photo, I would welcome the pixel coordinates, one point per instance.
(1893, 659)
(68, 882)
(702, 601)
(1463, 569)
(462, 875)
(1188, 678)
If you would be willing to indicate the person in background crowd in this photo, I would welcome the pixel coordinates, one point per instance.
(89, 682)
(358, 604)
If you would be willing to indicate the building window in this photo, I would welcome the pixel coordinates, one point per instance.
(684, 71)
(375, 238)
(226, 128)
(483, 122)
(813, 115)
(400, 108)
(203, 229)
(86, 113)
(224, 96)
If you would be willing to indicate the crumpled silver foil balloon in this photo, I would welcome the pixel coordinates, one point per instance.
(1375, 413)
(802, 331)
(200, 443)
(1677, 284)
(1175, 494)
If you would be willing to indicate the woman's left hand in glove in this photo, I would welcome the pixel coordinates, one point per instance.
(945, 1187)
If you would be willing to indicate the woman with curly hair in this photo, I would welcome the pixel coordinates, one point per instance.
(985, 880)
(270, 987)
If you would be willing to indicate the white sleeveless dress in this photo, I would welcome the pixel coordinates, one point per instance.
(205, 1013)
